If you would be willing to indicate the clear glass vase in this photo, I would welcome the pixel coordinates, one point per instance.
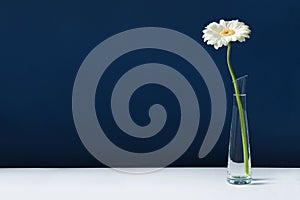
(239, 157)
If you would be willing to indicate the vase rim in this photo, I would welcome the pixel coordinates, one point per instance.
(241, 77)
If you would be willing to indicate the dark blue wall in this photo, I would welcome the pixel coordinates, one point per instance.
(43, 43)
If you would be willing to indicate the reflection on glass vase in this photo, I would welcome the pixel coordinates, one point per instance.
(239, 157)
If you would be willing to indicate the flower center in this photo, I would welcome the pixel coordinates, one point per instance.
(227, 32)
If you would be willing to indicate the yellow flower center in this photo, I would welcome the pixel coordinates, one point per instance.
(227, 32)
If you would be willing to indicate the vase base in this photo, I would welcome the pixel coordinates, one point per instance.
(239, 180)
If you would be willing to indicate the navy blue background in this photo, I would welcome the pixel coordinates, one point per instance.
(43, 43)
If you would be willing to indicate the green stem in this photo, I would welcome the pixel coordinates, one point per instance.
(241, 114)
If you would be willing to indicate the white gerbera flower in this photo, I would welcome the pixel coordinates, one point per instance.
(219, 34)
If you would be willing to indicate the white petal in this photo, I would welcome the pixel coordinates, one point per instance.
(223, 23)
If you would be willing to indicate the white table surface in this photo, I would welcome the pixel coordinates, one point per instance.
(168, 183)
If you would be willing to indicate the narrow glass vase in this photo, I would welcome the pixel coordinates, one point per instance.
(239, 169)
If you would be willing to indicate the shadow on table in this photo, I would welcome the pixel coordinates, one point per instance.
(261, 181)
